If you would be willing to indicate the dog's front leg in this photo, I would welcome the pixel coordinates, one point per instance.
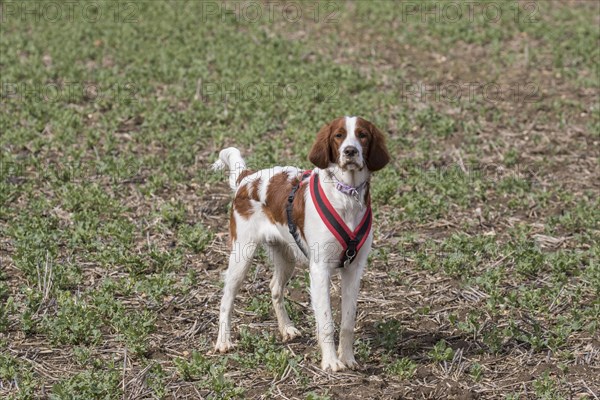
(319, 291)
(351, 276)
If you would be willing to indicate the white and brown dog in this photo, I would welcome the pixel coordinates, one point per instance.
(322, 217)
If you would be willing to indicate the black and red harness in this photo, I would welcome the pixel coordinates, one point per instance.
(351, 241)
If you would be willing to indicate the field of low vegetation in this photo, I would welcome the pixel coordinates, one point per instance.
(484, 279)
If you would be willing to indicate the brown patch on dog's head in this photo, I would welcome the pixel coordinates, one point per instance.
(372, 140)
(325, 150)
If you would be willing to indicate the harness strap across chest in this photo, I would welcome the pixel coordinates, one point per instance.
(351, 241)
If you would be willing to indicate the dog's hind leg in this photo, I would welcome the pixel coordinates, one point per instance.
(239, 262)
(284, 263)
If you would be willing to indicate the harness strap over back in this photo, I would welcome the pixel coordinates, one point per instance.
(289, 210)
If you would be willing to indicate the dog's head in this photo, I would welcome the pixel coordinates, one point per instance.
(350, 143)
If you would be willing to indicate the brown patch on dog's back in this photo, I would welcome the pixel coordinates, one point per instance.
(244, 174)
(232, 228)
(299, 207)
(277, 195)
(242, 202)
(254, 191)
(277, 200)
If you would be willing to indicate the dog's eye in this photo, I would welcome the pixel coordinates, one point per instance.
(362, 135)
(338, 135)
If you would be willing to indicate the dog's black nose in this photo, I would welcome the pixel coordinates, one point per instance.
(350, 151)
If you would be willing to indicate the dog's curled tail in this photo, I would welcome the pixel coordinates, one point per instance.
(232, 159)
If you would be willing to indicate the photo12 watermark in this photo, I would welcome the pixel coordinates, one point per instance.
(68, 92)
(258, 91)
(454, 91)
(77, 171)
(69, 11)
(469, 11)
(327, 12)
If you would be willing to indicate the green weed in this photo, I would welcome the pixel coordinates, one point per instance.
(404, 368)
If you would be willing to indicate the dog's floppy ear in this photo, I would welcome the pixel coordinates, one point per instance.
(378, 155)
(320, 154)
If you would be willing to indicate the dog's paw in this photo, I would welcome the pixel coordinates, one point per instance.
(333, 365)
(349, 361)
(289, 333)
(223, 346)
